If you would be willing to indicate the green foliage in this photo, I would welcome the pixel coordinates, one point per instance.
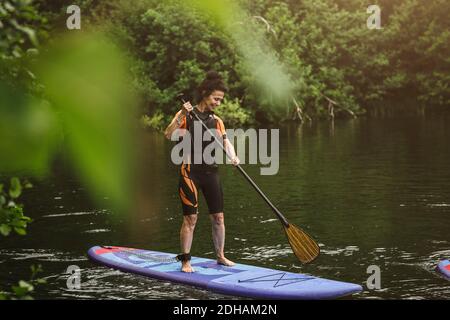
(156, 121)
(85, 78)
(78, 97)
(174, 45)
(28, 130)
(22, 29)
(75, 93)
(307, 49)
(176, 50)
(234, 115)
(257, 57)
(11, 213)
(12, 218)
(24, 289)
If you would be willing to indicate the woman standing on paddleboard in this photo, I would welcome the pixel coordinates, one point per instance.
(198, 174)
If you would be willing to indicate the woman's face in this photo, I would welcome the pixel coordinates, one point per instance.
(214, 99)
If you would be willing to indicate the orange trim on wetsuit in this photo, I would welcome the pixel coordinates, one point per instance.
(187, 188)
(220, 127)
(208, 182)
(203, 177)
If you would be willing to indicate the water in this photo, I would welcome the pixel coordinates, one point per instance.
(371, 192)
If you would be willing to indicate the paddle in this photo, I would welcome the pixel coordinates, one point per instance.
(303, 246)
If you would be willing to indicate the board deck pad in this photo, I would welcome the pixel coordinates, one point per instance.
(238, 280)
(444, 268)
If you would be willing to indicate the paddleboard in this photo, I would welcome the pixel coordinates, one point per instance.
(240, 280)
(444, 268)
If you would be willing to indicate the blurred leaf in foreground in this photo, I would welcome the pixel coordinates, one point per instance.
(86, 81)
(28, 132)
(259, 58)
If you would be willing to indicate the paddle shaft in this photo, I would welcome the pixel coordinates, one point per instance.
(274, 209)
(247, 177)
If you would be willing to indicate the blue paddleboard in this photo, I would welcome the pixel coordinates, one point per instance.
(444, 268)
(239, 280)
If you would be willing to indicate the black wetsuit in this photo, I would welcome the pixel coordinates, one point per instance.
(201, 176)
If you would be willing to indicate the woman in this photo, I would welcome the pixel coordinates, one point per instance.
(203, 175)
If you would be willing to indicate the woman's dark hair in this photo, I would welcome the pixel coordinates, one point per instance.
(213, 81)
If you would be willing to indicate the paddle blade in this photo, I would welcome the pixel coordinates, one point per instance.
(304, 247)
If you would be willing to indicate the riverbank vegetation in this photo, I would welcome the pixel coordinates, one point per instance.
(334, 64)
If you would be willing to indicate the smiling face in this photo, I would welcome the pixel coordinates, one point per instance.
(214, 99)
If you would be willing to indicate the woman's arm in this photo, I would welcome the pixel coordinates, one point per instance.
(229, 149)
(178, 120)
(174, 124)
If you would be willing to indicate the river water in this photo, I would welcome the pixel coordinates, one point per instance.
(372, 192)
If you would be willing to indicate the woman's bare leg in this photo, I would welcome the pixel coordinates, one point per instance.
(186, 236)
(218, 235)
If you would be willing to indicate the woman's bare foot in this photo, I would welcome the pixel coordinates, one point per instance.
(186, 267)
(224, 261)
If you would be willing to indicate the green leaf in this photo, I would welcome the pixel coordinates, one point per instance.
(22, 289)
(36, 269)
(5, 230)
(27, 185)
(20, 231)
(32, 52)
(98, 119)
(24, 284)
(27, 219)
(29, 131)
(15, 189)
(30, 33)
(12, 205)
(19, 291)
(9, 7)
(18, 223)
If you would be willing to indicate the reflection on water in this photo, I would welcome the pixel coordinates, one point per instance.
(370, 192)
(67, 214)
(264, 254)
